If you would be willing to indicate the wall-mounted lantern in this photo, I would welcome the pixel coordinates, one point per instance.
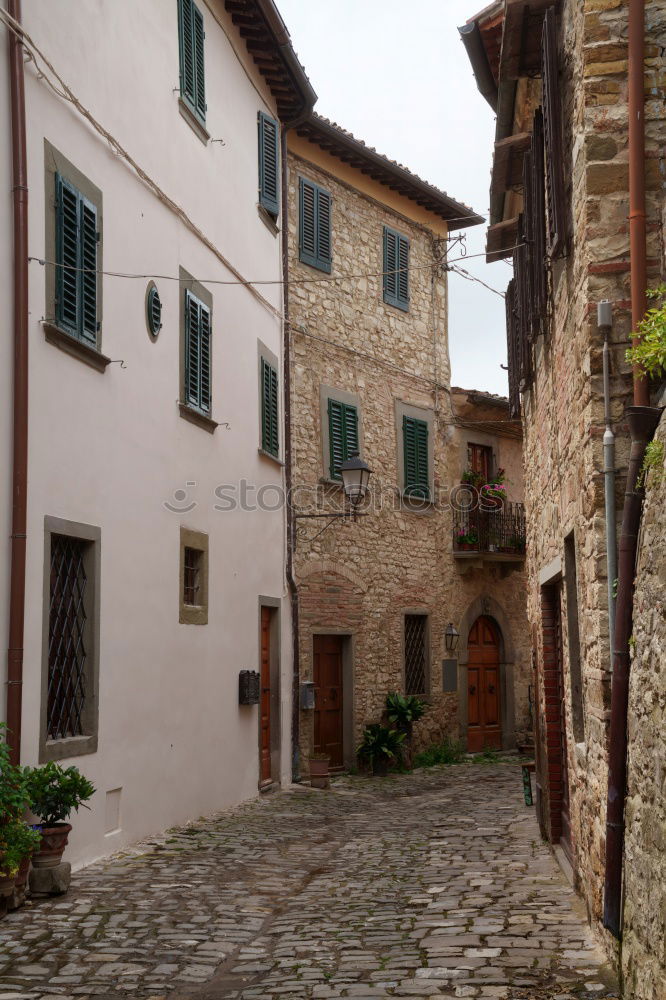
(451, 636)
(355, 477)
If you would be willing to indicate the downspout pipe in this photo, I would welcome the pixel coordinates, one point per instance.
(288, 470)
(605, 324)
(20, 404)
(642, 420)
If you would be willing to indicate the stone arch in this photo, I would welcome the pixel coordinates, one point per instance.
(320, 567)
(490, 608)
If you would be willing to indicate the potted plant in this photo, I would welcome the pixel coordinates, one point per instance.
(319, 773)
(17, 843)
(472, 478)
(467, 540)
(54, 792)
(380, 746)
(494, 492)
(403, 711)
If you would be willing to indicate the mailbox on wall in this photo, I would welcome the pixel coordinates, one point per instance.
(307, 695)
(248, 687)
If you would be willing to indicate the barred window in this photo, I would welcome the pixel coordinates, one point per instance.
(416, 654)
(192, 571)
(193, 581)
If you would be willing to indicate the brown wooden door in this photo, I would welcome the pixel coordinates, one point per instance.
(483, 687)
(328, 697)
(265, 704)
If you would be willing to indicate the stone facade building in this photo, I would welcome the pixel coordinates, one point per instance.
(370, 371)
(556, 74)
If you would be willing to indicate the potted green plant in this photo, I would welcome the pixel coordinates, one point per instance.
(402, 711)
(13, 790)
(319, 770)
(17, 843)
(380, 746)
(467, 540)
(55, 792)
(472, 478)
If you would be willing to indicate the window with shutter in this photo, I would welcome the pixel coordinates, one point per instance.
(191, 38)
(552, 126)
(415, 447)
(197, 354)
(342, 434)
(76, 262)
(315, 244)
(269, 164)
(270, 411)
(396, 269)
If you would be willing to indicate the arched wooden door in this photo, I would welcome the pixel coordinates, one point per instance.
(483, 686)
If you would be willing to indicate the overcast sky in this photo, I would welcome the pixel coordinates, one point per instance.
(395, 73)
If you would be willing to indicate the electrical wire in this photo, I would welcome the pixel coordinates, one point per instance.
(472, 277)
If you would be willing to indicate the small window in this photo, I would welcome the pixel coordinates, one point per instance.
(191, 38)
(197, 343)
(416, 654)
(480, 460)
(269, 164)
(153, 310)
(415, 448)
(342, 434)
(76, 263)
(396, 269)
(193, 577)
(315, 226)
(270, 409)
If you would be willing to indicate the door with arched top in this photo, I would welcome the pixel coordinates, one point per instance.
(483, 686)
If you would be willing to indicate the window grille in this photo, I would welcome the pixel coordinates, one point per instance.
(67, 657)
(415, 654)
(192, 576)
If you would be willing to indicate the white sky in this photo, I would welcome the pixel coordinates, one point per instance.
(395, 73)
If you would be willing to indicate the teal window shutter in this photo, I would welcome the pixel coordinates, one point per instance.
(197, 389)
(269, 164)
(270, 437)
(76, 262)
(315, 243)
(396, 269)
(191, 36)
(415, 445)
(342, 434)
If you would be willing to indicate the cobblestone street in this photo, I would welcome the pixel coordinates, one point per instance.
(433, 885)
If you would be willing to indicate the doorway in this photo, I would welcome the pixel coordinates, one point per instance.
(483, 686)
(329, 697)
(265, 768)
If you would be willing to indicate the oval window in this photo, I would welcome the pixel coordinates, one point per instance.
(153, 310)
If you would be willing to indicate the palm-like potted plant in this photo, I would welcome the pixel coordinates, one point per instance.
(380, 747)
(55, 792)
(402, 711)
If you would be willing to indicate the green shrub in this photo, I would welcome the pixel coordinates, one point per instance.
(448, 752)
(380, 743)
(649, 355)
(54, 792)
(17, 842)
(404, 710)
(13, 791)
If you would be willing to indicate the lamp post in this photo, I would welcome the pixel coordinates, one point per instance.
(451, 636)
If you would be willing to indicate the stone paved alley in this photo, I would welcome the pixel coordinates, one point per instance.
(434, 884)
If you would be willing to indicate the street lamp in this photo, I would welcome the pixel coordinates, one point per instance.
(355, 477)
(451, 636)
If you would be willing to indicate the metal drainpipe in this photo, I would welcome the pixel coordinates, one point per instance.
(288, 460)
(20, 416)
(605, 323)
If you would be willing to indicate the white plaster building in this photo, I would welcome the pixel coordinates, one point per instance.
(132, 432)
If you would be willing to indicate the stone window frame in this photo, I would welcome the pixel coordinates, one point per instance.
(73, 746)
(416, 505)
(327, 392)
(186, 282)
(56, 163)
(265, 354)
(190, 614)
(422, 612)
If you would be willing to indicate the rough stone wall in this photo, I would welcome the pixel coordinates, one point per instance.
(563, 410)
(644, 937)
(359, 578)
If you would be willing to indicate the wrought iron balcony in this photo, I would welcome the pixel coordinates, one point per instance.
(496, 535)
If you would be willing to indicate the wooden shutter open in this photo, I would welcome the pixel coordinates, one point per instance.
(89, 238)
(403, 272)
(269, 169)
(323, 230)
(191, 36)
(199, 75)
(552, 124)
(205, 351)
(67, 255)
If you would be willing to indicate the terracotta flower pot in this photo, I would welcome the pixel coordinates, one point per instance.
(54, 842)
(22, 874)
(319, 776)
(7, 883)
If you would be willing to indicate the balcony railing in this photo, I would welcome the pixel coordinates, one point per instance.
(500, 531)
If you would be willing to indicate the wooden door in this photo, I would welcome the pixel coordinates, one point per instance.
(265, 704)
(328, 697)
(483, 687)
(565, 837)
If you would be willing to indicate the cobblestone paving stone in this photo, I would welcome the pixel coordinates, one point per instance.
(434, 884)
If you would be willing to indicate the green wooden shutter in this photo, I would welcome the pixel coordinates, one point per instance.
(342, 434)
(67, 255)
(192, 350)
(323, 230)
(351, 430)
(199, 76)
(396, 273)
(205, 370)
(88, 244)
(415, 445)
(270, 438)
(191, 42)
(269, 164)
